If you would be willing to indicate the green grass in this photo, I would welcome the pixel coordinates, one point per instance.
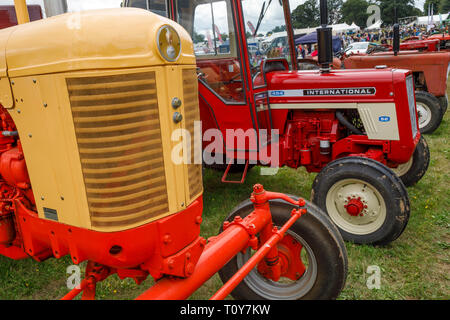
(415, 266)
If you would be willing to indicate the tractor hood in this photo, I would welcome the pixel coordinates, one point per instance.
(412, 60)
(343, 86)
(433, 65)
(97, 39)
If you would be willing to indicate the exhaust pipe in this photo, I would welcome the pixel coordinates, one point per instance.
(324, 39)
(396, 40)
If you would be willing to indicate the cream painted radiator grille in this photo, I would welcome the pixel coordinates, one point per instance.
(118, 132)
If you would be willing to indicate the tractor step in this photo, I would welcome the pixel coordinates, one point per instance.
(244, 173)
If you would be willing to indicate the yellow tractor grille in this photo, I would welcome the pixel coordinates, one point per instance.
(192, 114)
(117, 128)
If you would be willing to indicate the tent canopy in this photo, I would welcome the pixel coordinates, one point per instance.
(312, 38)
(376, 25)
(353, 26)
(340, 27)
(436, 19)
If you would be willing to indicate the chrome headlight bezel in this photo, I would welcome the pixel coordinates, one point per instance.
(168, 43)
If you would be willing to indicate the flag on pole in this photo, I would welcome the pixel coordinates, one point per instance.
(210, 44)
(219, 36)
(251, 26)
(430, 17)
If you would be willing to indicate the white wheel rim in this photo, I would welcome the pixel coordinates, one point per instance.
(371, 217)
(403, 168)
(424, 114)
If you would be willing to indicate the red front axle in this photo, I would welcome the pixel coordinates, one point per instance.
(237, 236)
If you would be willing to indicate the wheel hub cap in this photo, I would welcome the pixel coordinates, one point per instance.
(424, 114)
(354, 207)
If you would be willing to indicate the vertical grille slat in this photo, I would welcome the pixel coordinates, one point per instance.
(192, 114)
(117, 127)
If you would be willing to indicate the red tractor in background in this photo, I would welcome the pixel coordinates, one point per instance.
(426, 58)
(420, 45)
(444, 39)
(351, 126)
(430, 69)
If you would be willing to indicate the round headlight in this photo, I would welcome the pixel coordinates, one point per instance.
(169, 43)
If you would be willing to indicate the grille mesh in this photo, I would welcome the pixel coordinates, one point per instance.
(412, 106)
(192, 114)
(117, 128)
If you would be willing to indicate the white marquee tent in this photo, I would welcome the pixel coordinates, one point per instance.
(354, 27)
(423, 21)
(375, 26)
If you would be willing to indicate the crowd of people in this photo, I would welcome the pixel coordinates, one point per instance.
(382, 36)
(386, 35)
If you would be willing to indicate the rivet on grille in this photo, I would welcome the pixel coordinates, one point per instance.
(177, 117)
(176, 103)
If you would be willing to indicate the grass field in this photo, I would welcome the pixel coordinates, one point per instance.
(415, 266)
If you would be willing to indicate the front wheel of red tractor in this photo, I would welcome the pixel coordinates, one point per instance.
(413, 170)
(312, 249)
(429, 112)
(365, 199)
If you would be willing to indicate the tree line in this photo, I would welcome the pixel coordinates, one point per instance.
(307, 14)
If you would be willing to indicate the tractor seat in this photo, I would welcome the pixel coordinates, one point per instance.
(278, 64)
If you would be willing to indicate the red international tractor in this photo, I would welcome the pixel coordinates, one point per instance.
(351, 126)
(432, 45)
(444, 39)
(428, 61)
(430, 72)
(86, 118)
(430, 67)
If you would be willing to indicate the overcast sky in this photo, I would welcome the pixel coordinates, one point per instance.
(273, 18)
(76, 5)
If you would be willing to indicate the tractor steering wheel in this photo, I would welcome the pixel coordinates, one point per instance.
(236, 77)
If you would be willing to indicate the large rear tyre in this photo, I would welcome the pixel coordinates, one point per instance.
(429, 112)
(313, 241)
(444, 103)
(366, 200)
(413, 170)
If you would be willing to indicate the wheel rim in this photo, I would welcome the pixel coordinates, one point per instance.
(403, 168)
(424, 114)
(356, 206)
(281, 290)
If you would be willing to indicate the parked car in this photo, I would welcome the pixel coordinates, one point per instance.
(359, 47)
